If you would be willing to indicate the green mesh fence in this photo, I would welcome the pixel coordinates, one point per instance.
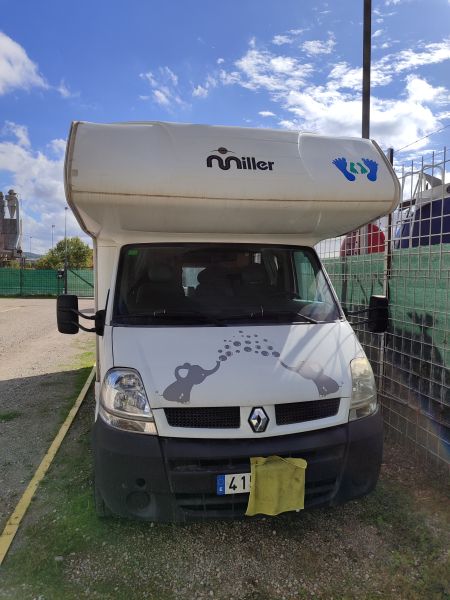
(40, 282)
(412, 361)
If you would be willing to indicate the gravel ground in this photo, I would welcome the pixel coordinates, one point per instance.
(391, 544)
(36, 380)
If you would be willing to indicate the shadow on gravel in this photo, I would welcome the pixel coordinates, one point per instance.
(31, 412)
(391, 544)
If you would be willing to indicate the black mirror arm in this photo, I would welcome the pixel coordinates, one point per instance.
(82, 327)
(359, 323)
(362, 323)
(91, 318)
(89, 330)
(80, 314)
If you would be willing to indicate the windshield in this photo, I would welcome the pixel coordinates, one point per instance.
(221, 284)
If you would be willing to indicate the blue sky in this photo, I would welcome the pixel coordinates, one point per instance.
(284, 64)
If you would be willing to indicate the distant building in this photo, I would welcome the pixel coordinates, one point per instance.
(9, 226)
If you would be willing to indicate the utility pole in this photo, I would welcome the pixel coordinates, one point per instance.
(53, 229)
(367, 49)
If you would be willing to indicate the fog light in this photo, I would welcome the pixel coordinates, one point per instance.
(138, 500)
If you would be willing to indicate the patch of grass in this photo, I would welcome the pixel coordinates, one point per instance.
(41, 568)
(393, 511)
(71, 528)
(9, 416)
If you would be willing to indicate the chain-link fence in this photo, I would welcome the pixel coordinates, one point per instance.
(43, 282)
(407, 257)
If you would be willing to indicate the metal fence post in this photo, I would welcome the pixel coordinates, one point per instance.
(22, 264)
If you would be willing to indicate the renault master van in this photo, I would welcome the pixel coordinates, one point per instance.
(219, 335)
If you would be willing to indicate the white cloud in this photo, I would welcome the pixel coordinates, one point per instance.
(314, 47)
(266, 113)
(384, 69)
(220, 61)
(381, 16)
(343, 76)
(419, 90)
(38, 179)
(58, 147)
(377, 33)
(202, 91)
(149, 77)
(286, 124)
(65, 92)
(279, 40)
(164, 88)
(20, 132)
(17, 70)
(330, 102)
(262, 69)
(409, 59)
(161, 97)
(170, 75)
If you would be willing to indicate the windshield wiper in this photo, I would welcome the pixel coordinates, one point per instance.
(264, 314)
(188, 315)
(293, 313)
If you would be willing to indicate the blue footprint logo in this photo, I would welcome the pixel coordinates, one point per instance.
(373, 169)
(341, 164)
(356, 168)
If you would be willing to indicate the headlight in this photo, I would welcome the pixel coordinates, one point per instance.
(364, 400)
(124, 403)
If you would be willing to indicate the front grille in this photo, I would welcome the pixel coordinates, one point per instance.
(222, 417)
(211, 505)
(193, 480)
(241, 464)
(298, 412)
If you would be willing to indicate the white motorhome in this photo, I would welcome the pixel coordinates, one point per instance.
(219, 335)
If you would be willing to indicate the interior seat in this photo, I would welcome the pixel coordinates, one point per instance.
(161, 290)
(213, 285)
(254, 283)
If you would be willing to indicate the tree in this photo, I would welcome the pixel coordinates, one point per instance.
(79, 255)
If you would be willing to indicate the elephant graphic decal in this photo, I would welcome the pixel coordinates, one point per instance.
(239, 345)
(314, 372)
(180, 389)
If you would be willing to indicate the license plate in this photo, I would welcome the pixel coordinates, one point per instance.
(233, 483)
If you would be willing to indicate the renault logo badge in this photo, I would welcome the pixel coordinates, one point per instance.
(258, 420)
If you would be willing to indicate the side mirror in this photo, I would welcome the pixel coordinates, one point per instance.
(378, 320)
(100, 316)
(67, 314)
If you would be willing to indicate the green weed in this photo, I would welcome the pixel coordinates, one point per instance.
(9, 416)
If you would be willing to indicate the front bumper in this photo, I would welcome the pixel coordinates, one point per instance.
(173, 479)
